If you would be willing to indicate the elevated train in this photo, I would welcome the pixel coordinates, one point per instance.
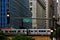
(27, 31)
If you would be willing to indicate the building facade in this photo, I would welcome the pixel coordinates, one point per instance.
(44, 9)
(3, 13)
(37, 7)
(50, 8)
(55, 8)
(15, 9)
(58, 10)
(0, 15)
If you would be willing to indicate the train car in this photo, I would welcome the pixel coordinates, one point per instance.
(32, 31)
(15, 31)
(28, 31)
(43, 32)
(39, 31)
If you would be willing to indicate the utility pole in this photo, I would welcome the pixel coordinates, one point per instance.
(53, 28)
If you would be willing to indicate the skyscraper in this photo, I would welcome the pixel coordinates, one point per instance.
(3, 13)
(0, 14)
(37, 7)
(49, 12)
(11, 11)
(42, 9)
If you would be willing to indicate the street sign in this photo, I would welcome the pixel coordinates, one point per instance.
(27, 20)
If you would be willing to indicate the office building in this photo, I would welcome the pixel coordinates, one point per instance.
(11, 12)
(37, 7)
(3, 13)
(58, 10)
(0, 14)
(59, 7)
(51, 11)
(22, 7)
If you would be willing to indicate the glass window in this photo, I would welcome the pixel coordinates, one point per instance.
(23, 31)
(6, 0)
(30, 9)
(0, 0)
(12, 31)
(30, 3)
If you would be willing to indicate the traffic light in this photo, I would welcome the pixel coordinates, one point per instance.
(8, 17)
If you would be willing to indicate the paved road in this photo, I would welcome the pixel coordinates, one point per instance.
(41, 37)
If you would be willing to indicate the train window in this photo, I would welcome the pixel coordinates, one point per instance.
(12, 31)
(6, 31)
(44, 31)
(31, 31)
(39, 31)
(19, 31)
(23, 31)
(1, 31)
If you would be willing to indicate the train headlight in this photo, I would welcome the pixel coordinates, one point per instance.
(8, 15)
(51, 30)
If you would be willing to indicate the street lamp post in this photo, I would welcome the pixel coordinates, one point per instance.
(54, 21)
(8, 19)
(54, 27)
